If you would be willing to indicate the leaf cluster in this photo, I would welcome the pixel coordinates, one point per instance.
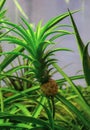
(22, 104)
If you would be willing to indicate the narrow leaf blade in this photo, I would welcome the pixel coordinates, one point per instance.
(86, 65)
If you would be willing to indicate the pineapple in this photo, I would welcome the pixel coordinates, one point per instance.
(50, 88)
(37, 42)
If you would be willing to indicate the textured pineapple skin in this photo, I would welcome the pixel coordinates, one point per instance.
(50, 88)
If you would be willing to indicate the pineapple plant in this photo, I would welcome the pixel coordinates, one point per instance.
(38, 42)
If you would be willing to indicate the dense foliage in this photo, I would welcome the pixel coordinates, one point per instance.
(30, 98)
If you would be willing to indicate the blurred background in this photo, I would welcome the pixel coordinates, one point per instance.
(35, 10)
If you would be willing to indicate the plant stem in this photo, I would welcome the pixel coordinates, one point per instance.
(53, 106)
(1, 100)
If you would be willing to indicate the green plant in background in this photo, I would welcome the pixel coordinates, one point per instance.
(22, 104)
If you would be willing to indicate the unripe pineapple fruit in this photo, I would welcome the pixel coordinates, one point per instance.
(50, 88)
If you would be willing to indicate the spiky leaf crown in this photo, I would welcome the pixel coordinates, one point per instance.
(36, 42)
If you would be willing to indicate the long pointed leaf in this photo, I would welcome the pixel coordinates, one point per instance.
(86, 64)
(78, 38)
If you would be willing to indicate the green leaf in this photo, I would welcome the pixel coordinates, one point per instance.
(76, 77)
(49, 115)
(1, 101)
(60, 49)
(20, 30)
(20, 9)
(21, 94)
(25, 119)
(30, 29)
(31, 34)
(39, 128)
(10, 58)
(23, 109)
(86, 64)
(18, 54)
(52, 22)
(3, 34)
(2, 13)
(56, 33)
(14, 69)
(2, 2)
(39, 107)
(15, 28)
(38, 29)
(78, 38)
(20, 126)
(15, 40)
